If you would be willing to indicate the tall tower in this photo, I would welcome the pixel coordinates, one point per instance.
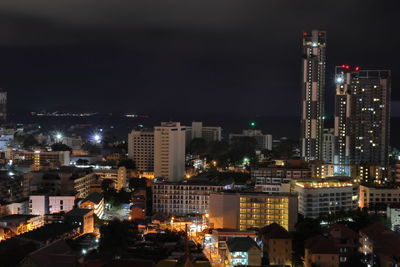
(362, 116)
(169, 151)
(3, 106)
(313, 94)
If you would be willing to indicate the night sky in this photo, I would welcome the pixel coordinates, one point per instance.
(205, 57)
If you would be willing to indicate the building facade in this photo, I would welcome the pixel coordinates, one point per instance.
(169, 151)
(182, 198)
(378, 197)
(280, 172)
(117, 176)
(362, 116)
(141, 150)
(324, 197)
(313, 94)
(243, 210)
(42, 204)
(328, 145)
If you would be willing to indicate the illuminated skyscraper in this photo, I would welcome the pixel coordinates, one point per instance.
(3, 106)
(362, 116)
(313, 93)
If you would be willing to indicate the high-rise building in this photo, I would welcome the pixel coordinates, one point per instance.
(313, 93)
(169, 151)
(141, 149)
(328, 145)
(197, 130)
(362, 116)
(3, 105)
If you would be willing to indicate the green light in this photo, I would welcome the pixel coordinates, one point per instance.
(252, 123)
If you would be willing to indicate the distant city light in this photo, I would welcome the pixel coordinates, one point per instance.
(253, 124)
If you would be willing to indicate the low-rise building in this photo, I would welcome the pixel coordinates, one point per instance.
(378, 197)
(320, 251)
(244, 210)
(45, 204)
(19, 223)
(95, 202)
(243, 251)
(319, 197)
(39, 159)
(117, 176)
(393, 214)
(273, 185)
(277, 245)
(288, 172)
(17, 207)
(219, 238)
(379, 246)
(63, 181)
(180, 198)
(345, 240)
(82, 218)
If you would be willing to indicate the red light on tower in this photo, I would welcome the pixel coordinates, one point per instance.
(347, 67)
(343, 66)
(357, 68)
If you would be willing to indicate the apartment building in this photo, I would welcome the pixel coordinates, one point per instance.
(243, 210)
(319, 197)
(184, 197)
(117, 176)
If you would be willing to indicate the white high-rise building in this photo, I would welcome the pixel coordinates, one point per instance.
(141, 149)
(208, 133)
(313, 91)
(169, 151)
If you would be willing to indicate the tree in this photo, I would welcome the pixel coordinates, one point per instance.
(60, 147)
(242, 147)
(106, 184)
(198, 146)
(285, 149)
(115, 237)
(127, 163)
(218, 151)
(92, 149)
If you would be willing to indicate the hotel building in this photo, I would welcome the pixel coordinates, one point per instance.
(243, 210)
(324, 197)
